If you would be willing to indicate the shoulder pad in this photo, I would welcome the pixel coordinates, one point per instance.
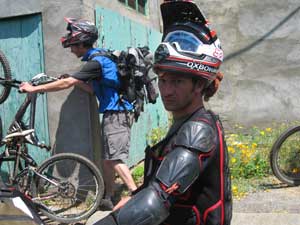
(196, 135)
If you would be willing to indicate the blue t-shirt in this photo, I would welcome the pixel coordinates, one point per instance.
(105, 81)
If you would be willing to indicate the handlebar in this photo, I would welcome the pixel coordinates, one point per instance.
(38, 79)
(12, 83)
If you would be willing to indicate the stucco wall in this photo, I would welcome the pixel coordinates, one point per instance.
(262, 72)
(10, 8)
(69, 111)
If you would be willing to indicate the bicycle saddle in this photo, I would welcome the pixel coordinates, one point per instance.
(19, 134)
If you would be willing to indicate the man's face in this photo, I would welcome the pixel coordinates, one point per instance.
(179, 94)
(78, 50)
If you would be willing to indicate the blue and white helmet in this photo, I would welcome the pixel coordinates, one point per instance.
(188, 45)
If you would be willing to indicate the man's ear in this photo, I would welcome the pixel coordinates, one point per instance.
(198, 86)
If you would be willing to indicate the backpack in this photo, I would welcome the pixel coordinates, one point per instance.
(138, 84)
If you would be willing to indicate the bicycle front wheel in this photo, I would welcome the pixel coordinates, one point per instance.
(68, 188)
(5, 74)
(285, 157)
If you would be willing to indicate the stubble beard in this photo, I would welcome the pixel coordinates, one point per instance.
(177, 108)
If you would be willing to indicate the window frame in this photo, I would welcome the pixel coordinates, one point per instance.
(146, 9)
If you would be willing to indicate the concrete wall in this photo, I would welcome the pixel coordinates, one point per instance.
(10, 8)
(70, 111)
(262, 72)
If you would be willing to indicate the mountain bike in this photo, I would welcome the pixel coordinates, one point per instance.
(66, 187)
(285, 156)
(5, 74)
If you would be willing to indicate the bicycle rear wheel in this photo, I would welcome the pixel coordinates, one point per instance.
(70, 190)
(285, 157)
(5, 74)
(1, 129)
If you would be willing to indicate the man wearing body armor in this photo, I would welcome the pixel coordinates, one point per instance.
(187, 180)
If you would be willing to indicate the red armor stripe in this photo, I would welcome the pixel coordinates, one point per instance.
(221, 202)
(201, 156)
(221, 171)
(212, 208)
(201, 119)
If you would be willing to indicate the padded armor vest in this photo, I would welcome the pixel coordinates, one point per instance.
(208, 199)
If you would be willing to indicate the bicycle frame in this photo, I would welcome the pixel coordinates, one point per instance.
(63, 193)
(17, 123)
(15, 141)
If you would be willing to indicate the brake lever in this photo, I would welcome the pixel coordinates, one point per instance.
(42, 145)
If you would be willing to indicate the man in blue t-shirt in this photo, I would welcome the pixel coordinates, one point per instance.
(98, 76)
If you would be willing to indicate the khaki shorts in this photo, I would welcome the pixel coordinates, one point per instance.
(116, 129)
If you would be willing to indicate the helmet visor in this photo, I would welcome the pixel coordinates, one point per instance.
(184, 41)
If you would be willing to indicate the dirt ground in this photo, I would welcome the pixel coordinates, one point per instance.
(276, 198)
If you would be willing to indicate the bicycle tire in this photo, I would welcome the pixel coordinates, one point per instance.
(285, 157)
(5, 74)
(1, 129)
(76, 199)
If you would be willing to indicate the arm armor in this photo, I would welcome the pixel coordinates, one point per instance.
(180, 166)
(147, 207)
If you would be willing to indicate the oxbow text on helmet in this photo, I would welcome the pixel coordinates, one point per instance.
(201, 67)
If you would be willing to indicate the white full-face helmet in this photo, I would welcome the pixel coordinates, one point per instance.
(188, 45)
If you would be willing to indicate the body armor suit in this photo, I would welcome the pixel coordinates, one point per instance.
(187, 180)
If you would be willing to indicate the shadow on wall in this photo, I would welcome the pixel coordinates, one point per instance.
(258, 41)
(74, 133)
(26, 25)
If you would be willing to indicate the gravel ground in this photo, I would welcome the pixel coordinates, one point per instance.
(277, 198)
(276, 201)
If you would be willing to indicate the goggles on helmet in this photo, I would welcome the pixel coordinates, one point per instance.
(187, 43)
(184, 40)
(168, 58)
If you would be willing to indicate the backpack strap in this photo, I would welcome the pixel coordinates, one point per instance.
(107, 54)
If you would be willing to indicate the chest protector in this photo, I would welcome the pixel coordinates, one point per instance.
(208, 199)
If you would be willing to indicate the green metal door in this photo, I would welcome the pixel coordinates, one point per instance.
(22, 42)
(119, 32)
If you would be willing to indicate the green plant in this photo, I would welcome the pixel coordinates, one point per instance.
(138, 173)
(249, 150)
(156, 135)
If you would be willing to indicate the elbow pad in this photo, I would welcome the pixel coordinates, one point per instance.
(145, 208)
(180, 166)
